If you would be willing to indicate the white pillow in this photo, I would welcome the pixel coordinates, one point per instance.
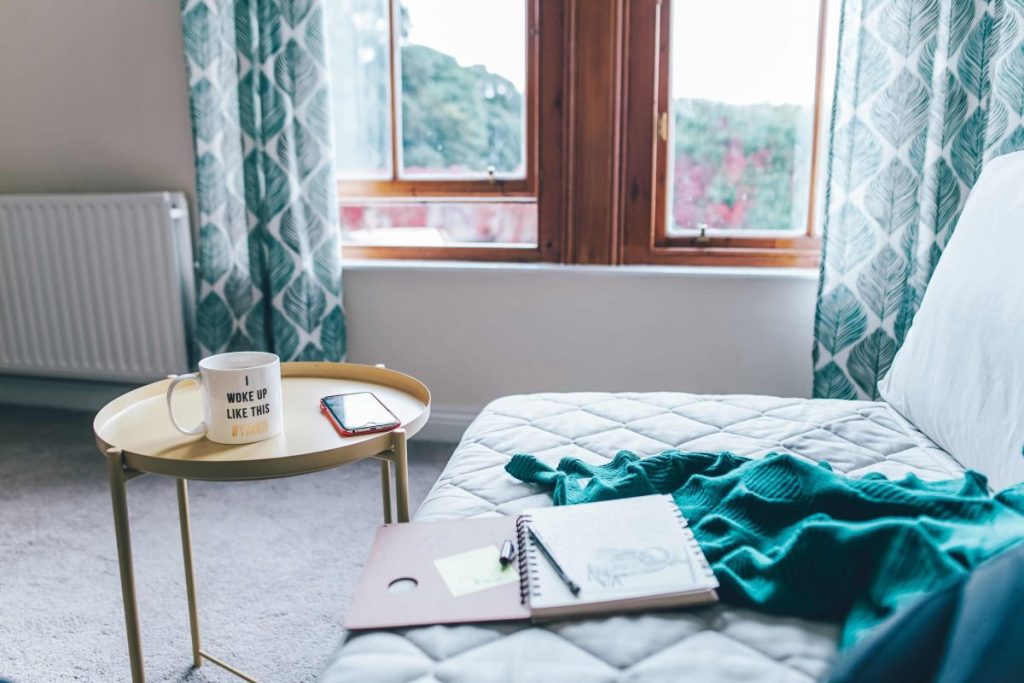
(959, 376)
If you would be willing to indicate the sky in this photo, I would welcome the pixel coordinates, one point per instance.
(739, 51)
(745, 51)
(488, 32)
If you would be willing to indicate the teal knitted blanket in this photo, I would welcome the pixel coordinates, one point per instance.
(792, 538)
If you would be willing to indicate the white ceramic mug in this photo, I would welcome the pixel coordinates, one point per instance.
(241, 394)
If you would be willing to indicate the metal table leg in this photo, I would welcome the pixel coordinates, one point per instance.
(190, 582)
(115, 470)
(198, 655)
(385, 488)
(401, 474)
(118, 477)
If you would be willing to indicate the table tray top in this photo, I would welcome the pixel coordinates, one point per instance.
(137, 423)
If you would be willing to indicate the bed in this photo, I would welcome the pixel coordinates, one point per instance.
(712, 645)
(957, 379)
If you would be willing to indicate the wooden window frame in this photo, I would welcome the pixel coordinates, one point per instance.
(596, 166)
(646, 161)
(545, 88)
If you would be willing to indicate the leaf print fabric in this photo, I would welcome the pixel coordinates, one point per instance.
(269, 261)
(927, 91)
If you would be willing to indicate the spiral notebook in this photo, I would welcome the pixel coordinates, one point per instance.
(626, 555)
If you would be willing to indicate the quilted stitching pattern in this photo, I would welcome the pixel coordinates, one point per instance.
(714, 644)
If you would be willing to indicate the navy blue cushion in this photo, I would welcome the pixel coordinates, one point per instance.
(972, 630)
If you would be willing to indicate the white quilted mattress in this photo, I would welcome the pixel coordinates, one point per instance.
(710, 645)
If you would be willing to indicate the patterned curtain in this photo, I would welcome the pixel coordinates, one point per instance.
(268, 253)
(927, 91)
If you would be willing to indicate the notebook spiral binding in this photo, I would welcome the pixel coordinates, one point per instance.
(693, 541)
(527, 557)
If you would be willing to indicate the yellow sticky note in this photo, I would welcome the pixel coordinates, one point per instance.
(475, 570)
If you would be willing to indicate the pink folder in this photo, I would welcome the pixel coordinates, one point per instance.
(408, 551)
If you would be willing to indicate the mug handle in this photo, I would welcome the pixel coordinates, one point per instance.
(199, 428)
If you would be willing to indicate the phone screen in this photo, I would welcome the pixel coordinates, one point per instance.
(359, 412)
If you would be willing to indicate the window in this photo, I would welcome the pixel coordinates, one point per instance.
(739, 93)
(437, 134)
(580, 131)
(740, 124)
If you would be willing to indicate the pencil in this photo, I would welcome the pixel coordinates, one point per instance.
(570, 584)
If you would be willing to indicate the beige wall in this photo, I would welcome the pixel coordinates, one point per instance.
(93, 97)
(474, 334)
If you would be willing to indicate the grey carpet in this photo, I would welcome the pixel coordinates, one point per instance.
(276, 561)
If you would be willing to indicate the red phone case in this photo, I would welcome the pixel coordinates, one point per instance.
(344, 432)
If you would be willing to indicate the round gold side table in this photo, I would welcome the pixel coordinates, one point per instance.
(136, 435)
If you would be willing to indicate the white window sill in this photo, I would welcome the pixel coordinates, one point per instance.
(612, 271)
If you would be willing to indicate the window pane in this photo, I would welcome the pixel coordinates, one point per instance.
(742, 84)
(435, 224)
(463, 78)
(358, 44)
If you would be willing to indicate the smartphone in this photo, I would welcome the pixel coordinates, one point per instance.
(356, 414)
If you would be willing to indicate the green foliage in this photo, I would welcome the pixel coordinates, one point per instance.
(456, 117)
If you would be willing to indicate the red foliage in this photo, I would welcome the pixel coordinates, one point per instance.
(693, 199)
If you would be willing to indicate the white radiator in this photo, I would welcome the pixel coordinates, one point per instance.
(95, 286)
